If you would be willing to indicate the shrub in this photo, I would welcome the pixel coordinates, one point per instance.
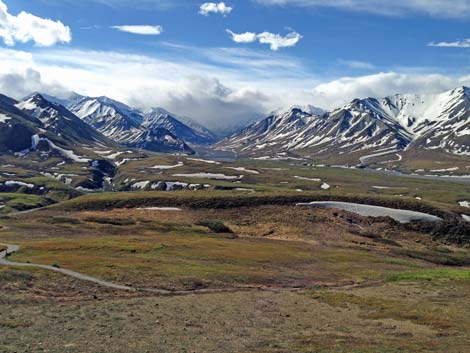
(61, 220)
(215, 226)
(112, 221)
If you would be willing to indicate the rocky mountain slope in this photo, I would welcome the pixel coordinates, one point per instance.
(188, 131)
(364, 127)
(135, 128)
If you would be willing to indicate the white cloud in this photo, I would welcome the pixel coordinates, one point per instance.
(26, 27)
(140, 29)
(212, 7)
(215, 96)
(247, 37)
(435, 8)
(213, 103)
(225, 89)
(20, 84)
(341, 91)
(464, 43)
(275, 41)
(354, 64)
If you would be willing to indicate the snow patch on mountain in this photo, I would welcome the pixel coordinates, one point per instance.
(69, 154)
(4, 118)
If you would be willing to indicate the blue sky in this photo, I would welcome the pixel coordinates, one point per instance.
(343, 49)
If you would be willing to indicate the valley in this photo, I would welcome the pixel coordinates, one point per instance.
(237, 176)
(142, 231)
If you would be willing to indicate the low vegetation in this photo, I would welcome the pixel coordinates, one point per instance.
(215, 226)
(244, 267)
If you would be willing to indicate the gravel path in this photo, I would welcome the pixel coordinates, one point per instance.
(15, 248)
(11, 249)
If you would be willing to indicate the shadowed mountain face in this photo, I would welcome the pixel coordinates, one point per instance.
(364, 127)
(16, 127)
(132, 127)
(116, 121)
(60, 121)
(190, 132)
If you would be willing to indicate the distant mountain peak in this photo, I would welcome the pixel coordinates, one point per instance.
(310, 109)
(427, 121)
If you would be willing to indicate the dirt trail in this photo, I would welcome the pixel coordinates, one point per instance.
(11, 249)
(15, 248)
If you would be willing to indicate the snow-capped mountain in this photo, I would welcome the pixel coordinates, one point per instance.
(36, 125)
(127, 125)
(311, 109)
(135, 128)
(364, 127)
(113, 119)
(160, 118)
(440, 121)
(58, 120)
(16, 127)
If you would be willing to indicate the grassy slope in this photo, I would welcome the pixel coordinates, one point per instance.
(376, 287)
(402, 304)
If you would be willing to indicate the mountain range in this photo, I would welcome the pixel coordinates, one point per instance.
(79, 121)
(363, 128)
(358, 131)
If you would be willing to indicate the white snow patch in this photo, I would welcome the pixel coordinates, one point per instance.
(18, 183)
(164, 167)
(140, 184)
(310, 179)
(325, 186)
(202, 160)
(444, 170)
(81, 188)
(363, 159)
(209, 176)
(117, 154)
(242, 169)
(4, 118)
(125, 160)
(160, 209)
(465, 204)
(244, 189)
(35, 139)
(402, 216)
(170, 186)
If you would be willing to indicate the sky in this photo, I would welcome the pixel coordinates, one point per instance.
(222, 63)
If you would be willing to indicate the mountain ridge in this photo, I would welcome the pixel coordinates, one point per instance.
(363, 126)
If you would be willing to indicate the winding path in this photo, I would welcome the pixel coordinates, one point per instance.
(11, 249)
(15, 248)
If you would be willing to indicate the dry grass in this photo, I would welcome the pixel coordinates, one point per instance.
(348, 260)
